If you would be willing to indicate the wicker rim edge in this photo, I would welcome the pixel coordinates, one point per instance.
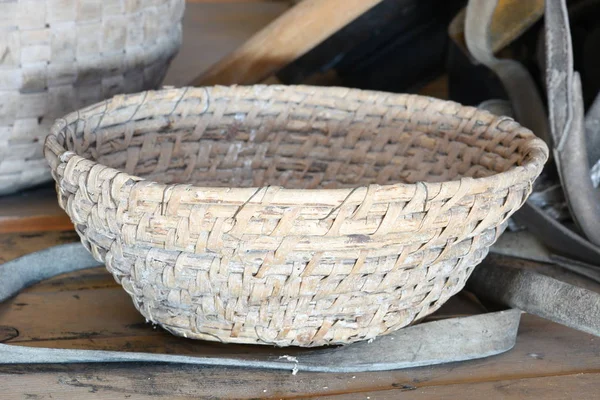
(536, 154)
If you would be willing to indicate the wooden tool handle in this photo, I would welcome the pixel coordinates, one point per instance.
(293, 34)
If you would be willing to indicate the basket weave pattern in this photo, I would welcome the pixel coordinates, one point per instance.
(57, 56)
(289, 215)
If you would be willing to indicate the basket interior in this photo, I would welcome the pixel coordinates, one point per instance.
(240, 142)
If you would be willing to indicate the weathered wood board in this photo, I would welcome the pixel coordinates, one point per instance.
(87, 309)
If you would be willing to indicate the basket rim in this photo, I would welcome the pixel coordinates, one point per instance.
(536, 154)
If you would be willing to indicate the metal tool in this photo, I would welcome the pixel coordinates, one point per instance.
(565, 103)
(528, 107)
(592, 133)
(524, 245)
(537, 293)
(531, 290)
(429, 343)
(522, 92)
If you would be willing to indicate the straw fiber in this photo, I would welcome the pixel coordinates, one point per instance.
(289, 215)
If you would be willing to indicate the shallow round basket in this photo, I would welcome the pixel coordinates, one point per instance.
(57, 56)
(289, 215)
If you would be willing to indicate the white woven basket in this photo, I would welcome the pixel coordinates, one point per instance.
(289, 215)
(57, 56)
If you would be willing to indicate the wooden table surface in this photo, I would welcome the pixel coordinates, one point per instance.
(87, 309)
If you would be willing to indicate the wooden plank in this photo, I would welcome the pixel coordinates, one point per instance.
(213, 30)
(291, 35)
(89, 279)
(544, 350)
(240, 1)
(13, 245)
(436, 88)
(34, 210)
(106, 319)
(87, 309)
(99, 309)
(70, 314)
(577, 386)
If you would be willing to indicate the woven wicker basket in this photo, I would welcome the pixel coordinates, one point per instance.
(289, 215)
(57, 56)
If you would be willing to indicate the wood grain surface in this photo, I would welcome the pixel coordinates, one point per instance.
(33, 210)
(213, 29)
(87, 309)
(293, 34)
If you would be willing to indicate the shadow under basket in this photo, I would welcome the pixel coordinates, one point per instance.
(289, 215)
